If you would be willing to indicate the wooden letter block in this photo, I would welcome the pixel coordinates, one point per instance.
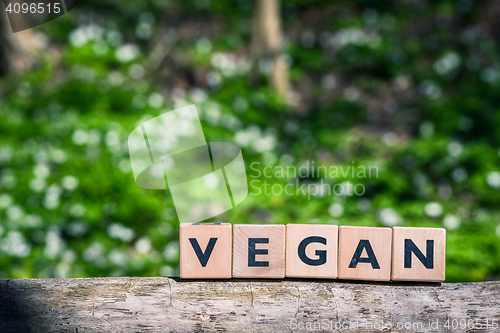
(311, 250)
(259, 251)
(205, 250)
(364, 253)
(418, 254)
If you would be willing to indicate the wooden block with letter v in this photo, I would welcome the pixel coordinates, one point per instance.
(205, 250)
(418, 254)
(364, 253)
(311, 250)
(259, 251)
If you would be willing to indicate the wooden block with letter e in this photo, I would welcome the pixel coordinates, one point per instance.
(259, 251)
(364, 253)
(311, 250)
(418, 254)
(205, 250)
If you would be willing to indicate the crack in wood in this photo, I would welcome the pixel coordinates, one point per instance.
(298, 301)
(251, 301)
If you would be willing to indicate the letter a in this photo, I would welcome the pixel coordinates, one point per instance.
(356, 258)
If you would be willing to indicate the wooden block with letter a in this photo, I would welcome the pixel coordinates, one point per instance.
(418, 254)
(311, 250)
(259, 251)
(364, 253)
(205, 250)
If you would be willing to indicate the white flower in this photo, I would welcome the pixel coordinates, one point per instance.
(433, 209)
(127, 53)
(77, 210)
(489, 75)
(143, 245)
(431, 89)
(5, 200)
(459, 175)
(115, 78)
(203, 46)
(451, 222)
(78, 37)
(166, 271)
(41, 170)
(52, 194)
(447, 63)
(155, 100)
(37, 185)
(118, 258)
(493, 179)
(117, 230)
(427, 129)
(95, 254)
(454, 149)
(54, 244)
(15, 245)
(240, 104)
(171, 251)
(388, 217)
(336, 210)
(69, 183)
(136, 71)
(15, 213)
(79, 137)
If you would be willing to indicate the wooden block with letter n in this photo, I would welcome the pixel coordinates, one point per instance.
(205, 250)
(418, 254)
(364, 253)
(311, 250)
(259, 251)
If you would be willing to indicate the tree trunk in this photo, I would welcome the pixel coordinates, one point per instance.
(267, 42)
(172, 305)
(18, 51)
(4, 45)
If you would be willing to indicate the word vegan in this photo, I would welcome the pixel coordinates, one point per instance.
(222, 251)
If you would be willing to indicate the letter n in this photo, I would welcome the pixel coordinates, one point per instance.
(427, 260)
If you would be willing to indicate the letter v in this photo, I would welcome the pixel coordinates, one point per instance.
(203, 257)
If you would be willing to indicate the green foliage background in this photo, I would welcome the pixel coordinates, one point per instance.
(411, 87)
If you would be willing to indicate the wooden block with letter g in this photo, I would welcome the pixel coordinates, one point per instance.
(418, 254)
(364, 253)
(205, 250)
(259, 251)
(311, 250)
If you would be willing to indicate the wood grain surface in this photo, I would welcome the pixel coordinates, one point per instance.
(218, 258)
(298, 268)
(171, 305)
(416, 270)
(379, 240)
(269, 251)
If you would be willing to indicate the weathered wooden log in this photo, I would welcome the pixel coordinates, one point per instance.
(171, 305)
